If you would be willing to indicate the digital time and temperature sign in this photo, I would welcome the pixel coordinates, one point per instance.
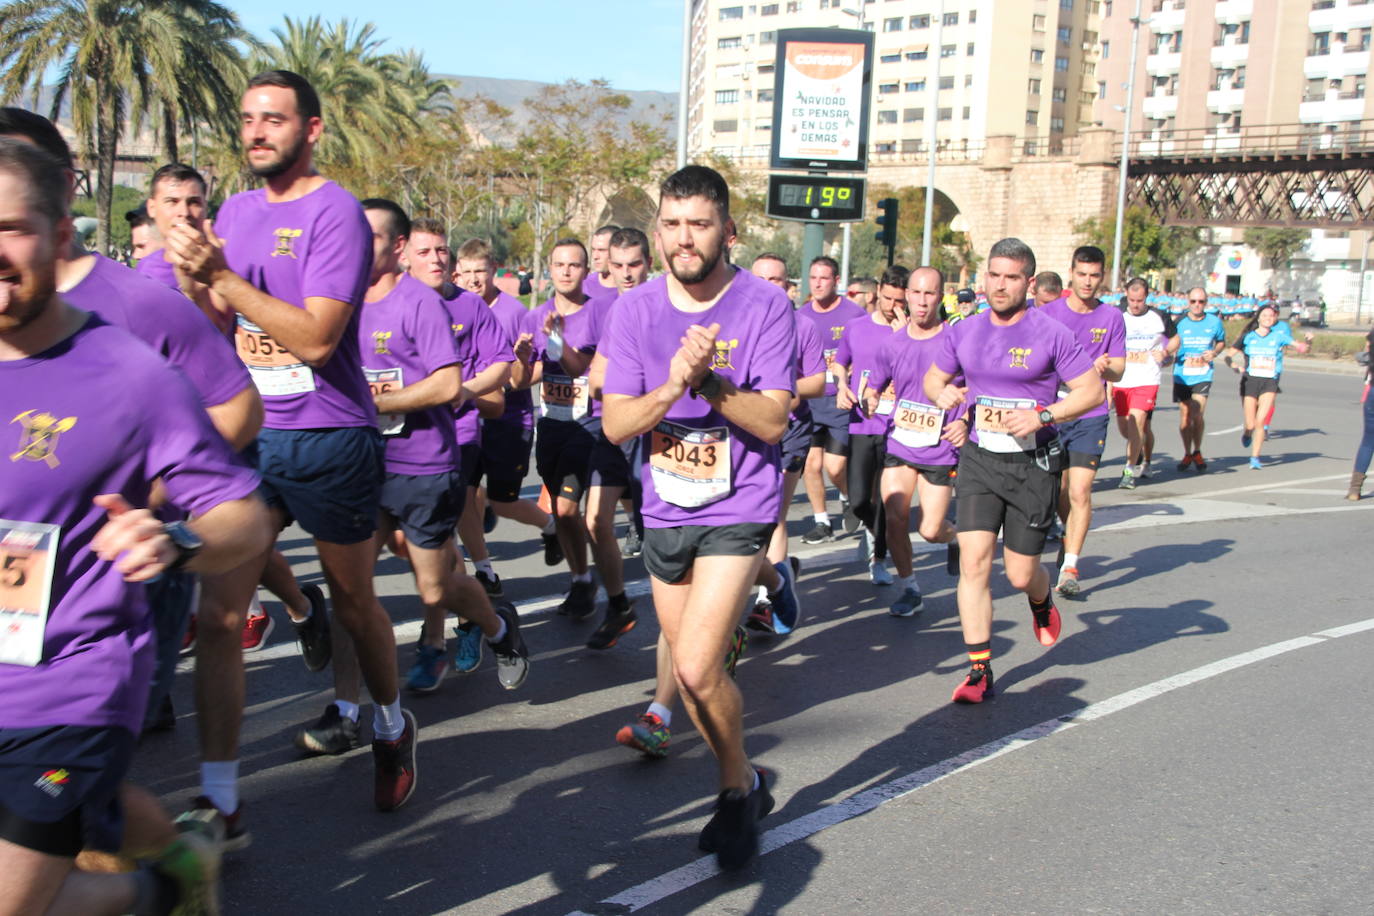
(815, 198)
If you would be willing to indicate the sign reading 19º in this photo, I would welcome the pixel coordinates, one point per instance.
(816, 198)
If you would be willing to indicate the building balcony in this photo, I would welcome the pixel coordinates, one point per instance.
(1225, 100)
(1159, 106)
(1229, 55)
(1332, 108)
(1168, 20)
(1340, 62)
(1163, 64)
(1321, 247)
(1234, 12)
(1341, 18)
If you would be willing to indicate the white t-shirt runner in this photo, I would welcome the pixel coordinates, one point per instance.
(1145, 333)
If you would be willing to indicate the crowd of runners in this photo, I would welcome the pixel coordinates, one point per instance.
(312, 359)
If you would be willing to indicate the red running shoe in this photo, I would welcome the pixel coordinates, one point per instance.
(395, 766)
(1046, 623)
(256, 629)
(976, 687)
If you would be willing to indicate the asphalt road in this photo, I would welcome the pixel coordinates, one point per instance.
(1197, 741)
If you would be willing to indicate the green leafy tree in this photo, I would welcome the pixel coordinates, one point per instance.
(117, 61)
(1147, 246)
(1278, 245)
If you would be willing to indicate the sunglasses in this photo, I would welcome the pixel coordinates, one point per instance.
(1203, 301)
(853, 292)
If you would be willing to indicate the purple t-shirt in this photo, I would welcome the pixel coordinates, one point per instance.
(156, 267)
(1016, 366)
(858, 350)
(167, 322)
(756, 350)
(1099, 332)
(98, 413)
(902, 362)
(810, 357)
(593, 288)
(481, 342)
(319, 245)
(510, 313)
(581, 332)
(831, 326)
(404, 339)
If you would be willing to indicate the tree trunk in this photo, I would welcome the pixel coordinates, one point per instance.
(169, 133)
(106, 147)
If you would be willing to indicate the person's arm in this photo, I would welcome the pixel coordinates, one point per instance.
(1110, 368)
(492, 405)
(232, 532)
(811, 386)
(239, 418)
(596, 375)
(439, 387)
(492, 378)
(1085, 393)
(938, 389)
(844, 396)
(526, 370)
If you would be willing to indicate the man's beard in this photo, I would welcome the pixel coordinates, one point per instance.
(282, 164)
(709, 260)
(29, 299)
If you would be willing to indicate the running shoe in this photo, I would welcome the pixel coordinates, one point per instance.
(649, 735)
(1246, 438)
(1046, 623)
(467, 658)
(581, 601)
(512, 657)
(312, 633)
(188, 641)
(909, 604)
(850, 520)
(977, 687)
(1146, 471)
(427, 673)
(164, 720)
(1056, 532)
(732, 833)
(489, 520)
(395, 775)
(762, 618)
(878, 574)
(863, 546)
(1200, 462)
(1187, 460)
(1127, 479)
(822, 532)
(225, 831)
(492, 584)
(190, 865)
(737, 643)
(553, 551)
(952, 558)
(1068, 582)
(631, 547)
(332, 733)
(1255, 464)
(616, 625)
(786, 606)
(256, 629)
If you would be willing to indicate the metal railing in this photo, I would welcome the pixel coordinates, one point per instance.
(1254, 141)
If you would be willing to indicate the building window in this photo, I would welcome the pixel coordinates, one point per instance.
(726, 126)
(768, 38)
(1106, 8)
(1037, 55)
(951, 19)
(919, 22)
(1060, 95)
(916, 86)
(1101, 89)
(765, 95)
(731, 12)
(969, 50)
(887, 116)
(1061, 64)
(968, 80)
(890, 58)
(768, 9)
(913, 114)
(946, 82)
(911, 146)
(948, 50)
(794, 6)
(892, 25)
(946, 114)
(890, 147)
(1032, 117)
(1065, 34)
(727, 96)
(922, 54)
(726, 44)
(1038, 22)
(1057, 124)
(1033, 87)
(764, 126)
(972, 16)
(1066, 4)
(885, 88)
(966, 112)
(765, 69)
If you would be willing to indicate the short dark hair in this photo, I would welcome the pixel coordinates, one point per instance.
(398, 224)
(630, 237)
(42, 174)
(570, 242)
(23, 123)
(474, 249)
(606, 230)
(697, 181)
(828, 262)
(772, 256)
(895, 275)
(138, 216)
(429, 226)
(178, 172)
(1049, 280)
(307, 101)
(1087, 254)
(1138, 282)
(1016, 250)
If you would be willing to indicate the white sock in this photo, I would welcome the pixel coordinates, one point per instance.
(1070, 559)
(763, 593)
(583, 577)
(822, 518)
(500, 632)
(549, 527)
(663, 712)
(255, 607)
(483, 566)
(219, 782)
(387, 722)
(755, 786)
(910, 582)
(347, 710)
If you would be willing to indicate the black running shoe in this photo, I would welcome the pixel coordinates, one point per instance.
(312, 633)
(632, 546)
(732, 833)
(616, 625)
(553, 551)
(581, 601)
(512, 657)
(850, 521)
(820, 534)
(492, 584)
(332, 733)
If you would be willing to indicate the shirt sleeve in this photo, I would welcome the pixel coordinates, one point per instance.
(773, 368)
(812, 353)
(843, 355)
(489, 341)
(1116, 336)
(947, 353)
(337, 262)
(1069, 359)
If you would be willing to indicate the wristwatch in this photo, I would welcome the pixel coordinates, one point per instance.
(1046, 418)
(186, 541)
(709, 387)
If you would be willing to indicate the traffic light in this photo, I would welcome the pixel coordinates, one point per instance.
(887, 220)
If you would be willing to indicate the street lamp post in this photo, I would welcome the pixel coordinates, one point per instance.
(932, 117)
(683, 81)
(1125, 150)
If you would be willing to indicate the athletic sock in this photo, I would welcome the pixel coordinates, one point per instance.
(1043, 604)
(501, 631)
(663, 712)
(483, 566)
(219, 782)
(822, 518)
(755, 786)
(348, 710)
(909, 582)
(387, 722)
(255, 607)
(763, 593)
(549, 527)
(979, 653)
(1070, 559)
(584, 578)
(618, 603)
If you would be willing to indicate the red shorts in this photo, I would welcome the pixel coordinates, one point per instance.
(1127, 399)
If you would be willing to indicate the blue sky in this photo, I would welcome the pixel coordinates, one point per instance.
(635, 44)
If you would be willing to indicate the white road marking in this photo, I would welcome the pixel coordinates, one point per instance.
(680, 879)
(1227, 432)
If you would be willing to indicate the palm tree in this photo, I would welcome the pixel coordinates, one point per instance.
(116, 60)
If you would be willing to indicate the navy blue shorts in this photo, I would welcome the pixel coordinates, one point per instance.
(505, 459)
(1085, 439)
(171, 598)
(59, 787)
(426, 507)
(563, 457)
(796, 442)
(329, 480)
(829, 426)
(611, 464)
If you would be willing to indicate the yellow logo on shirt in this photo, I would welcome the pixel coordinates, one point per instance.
(457, 329)
(379, 341)
(286, 238)
(724, 353)
(41, 432)
(1098, 334)
(836, 331)
(1018, 357)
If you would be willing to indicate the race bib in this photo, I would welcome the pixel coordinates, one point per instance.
(1262, 367)
(1139, 356)
(917, 425)
(382, 381)
(28, 552)
(275, 370)
(1194, 365)
(990, 420)
(564, 398)
(690, 467)
(829, 366)
(887, 398)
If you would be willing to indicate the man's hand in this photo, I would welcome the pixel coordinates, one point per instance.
(1158, 355)
(871, 398)
(951, 397)
(844, 398)
(694, 356)
(1024, 422)
(1100, 364)
(135, 533)
(199, 254)
(956, 432)
(524, 347)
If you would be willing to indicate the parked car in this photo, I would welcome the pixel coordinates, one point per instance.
(1310, 313)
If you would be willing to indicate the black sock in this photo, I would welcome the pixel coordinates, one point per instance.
(618, 603)
(979, 653)
(1042, 605)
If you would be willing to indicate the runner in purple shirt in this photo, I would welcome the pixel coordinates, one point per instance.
(599, 282)
(1013, 359)
(854, 362)
(76, 550)
(829, 453)
(1101, 333)
(702, 365)
(920, 458)
(293, 260)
